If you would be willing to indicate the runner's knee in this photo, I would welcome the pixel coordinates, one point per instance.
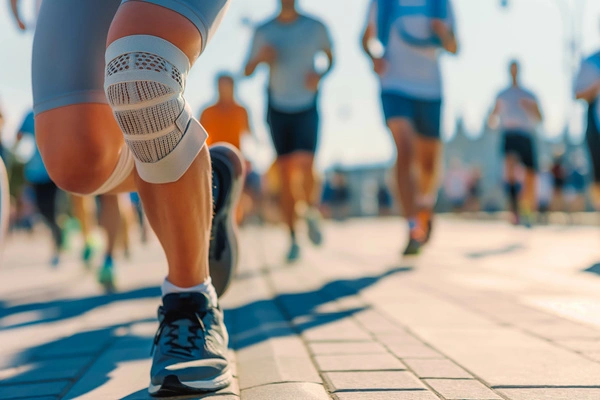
(145, 81)
(77, 155)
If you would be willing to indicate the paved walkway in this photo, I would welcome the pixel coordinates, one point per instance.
(487, 312)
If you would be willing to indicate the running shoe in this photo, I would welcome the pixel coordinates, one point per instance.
(228, 183)
(190, 347)
(313, 221)
(294, 253)
(106, 276)
(426, 220)
(87, 255)
(416, 238)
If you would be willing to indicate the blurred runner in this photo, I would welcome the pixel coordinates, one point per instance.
(288, 45)
(587, 88)
(456, 182)
(559, 177)
(45, 190)
(544, 193)
(413, 35)
(518, 114)
(227, 121)
(108, 84)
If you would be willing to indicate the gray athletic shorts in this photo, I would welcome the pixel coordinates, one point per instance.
(70, 40)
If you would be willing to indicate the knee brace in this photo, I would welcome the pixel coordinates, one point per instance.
(144, 84)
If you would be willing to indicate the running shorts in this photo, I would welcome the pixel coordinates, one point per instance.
(70, 41)
(520, 144)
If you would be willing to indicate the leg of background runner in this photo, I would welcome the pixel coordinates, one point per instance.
(403, 134)
(529, 189)
(110, 220)
(510, 165)
(428, 153)
(305, 163)
(81, 211)
(288, 199)
(180, 212)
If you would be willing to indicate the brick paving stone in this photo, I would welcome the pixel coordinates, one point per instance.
(374, 322)
(455, 389)
(29, 390)
(282, 369)
(300, 391)
(562, 330)
(583, 346)
(551, 394)
(359, 362)
(47, 370)
(397, 337)
(387, 395)
(344, 330)
(372, 380)
(425, 368)
(290, 346)
(402, 350)
(333, 348)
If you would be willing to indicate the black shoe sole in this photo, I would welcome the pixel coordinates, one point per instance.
(172, 387)
(224, 253)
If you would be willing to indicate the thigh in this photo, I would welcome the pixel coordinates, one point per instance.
(206, 15)
(68, 52)
(526, 151)
(428, 118)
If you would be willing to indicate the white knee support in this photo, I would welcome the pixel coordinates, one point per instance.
(120, 173)
(145, 80)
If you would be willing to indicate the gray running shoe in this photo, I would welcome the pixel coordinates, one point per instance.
(313, 221)
(228, 183)
(190, 347)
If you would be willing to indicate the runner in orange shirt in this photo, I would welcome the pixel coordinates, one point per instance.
(226, 120)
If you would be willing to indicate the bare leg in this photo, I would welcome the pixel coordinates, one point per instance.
(110, 221)
(403, 134)
(181, 209)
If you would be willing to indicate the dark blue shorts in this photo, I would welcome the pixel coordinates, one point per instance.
(425, 115)
(294, 132)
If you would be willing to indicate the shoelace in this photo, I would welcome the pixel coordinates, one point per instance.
(169, 322)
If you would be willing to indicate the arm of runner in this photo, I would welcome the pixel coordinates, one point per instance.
(446, 35)
(260, 52)
(493, 119)
(14, 6)
(314, 78)
(587, 84)
(369, 35)
(532, 108)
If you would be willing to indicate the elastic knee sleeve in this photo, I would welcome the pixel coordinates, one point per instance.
(121, 172)
(144, 84)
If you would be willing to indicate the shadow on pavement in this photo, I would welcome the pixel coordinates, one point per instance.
(511, 248)
(58, 310)
(87, 359)
(594, 269)
(265, 319)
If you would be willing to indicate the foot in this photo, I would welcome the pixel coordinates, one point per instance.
(228, 177)
(106, 276)
(294, 253)
(313, 220)
(416, 240)
(426, 221)
(55, 261)
(190, 347)
(87, 255)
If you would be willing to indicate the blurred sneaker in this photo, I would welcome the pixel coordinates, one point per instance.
(87, 254)
(228, 182)
(106, 276)
(416, 240)
(55, 261)
(294, 253)
(190, 347)
(313, 221)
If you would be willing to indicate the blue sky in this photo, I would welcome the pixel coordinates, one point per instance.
(530, 30)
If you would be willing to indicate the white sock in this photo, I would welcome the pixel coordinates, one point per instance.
(207, 288)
